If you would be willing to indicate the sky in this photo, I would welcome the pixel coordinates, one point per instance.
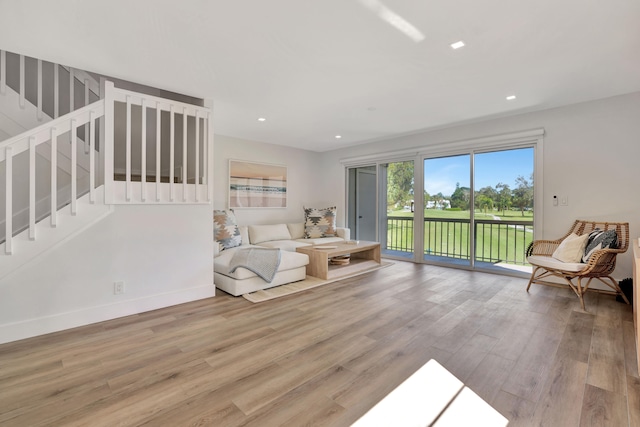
(442, 174)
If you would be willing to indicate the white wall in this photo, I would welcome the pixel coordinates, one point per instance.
(163, 253)
(306, 180)
(591, 155)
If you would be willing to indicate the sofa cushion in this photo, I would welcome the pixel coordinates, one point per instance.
(244, 234)
(599, 239)
(288, 261)
(296, 230)
(571, 249)
(552, 263)
(225, 229)
(265, 233)
(286, 245)
(320, 222)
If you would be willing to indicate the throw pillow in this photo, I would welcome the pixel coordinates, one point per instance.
(571, 248)
(267, 233)
(320, 222)
(599, 239)
(225, 229)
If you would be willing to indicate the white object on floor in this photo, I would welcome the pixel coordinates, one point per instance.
(431, 396)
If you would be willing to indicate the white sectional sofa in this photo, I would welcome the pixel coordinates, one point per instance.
(286, 237)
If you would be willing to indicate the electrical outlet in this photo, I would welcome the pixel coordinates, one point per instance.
(118, 288)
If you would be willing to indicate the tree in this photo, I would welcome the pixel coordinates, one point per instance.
(486, 198)
(399, 183)
(460, 197)
(504, 196)
(523, 193)
(483, 202)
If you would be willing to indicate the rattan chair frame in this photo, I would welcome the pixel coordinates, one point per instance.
(600, 266)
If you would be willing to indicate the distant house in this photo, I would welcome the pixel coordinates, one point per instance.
(439, 204)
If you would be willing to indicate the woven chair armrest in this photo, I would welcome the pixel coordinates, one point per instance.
(543, 247)
(602, 260)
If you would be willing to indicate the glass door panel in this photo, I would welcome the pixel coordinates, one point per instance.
(503, 208)
(397, 209)
(447, 215)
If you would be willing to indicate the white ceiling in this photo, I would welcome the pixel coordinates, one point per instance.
(316, 69)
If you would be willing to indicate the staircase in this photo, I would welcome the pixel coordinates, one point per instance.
(64, 168)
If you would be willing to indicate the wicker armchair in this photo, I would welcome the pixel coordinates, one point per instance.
(600, 265)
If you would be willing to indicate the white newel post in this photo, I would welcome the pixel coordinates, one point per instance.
(54, 177)
(74, 169)
(184, 154)
(172, 140)
(39, 102)
(158, 147)
(143, 152)
(209, 150)
(107, 142)
(8, 169)
(32, 188)
(197, 147)
(22, 78)
(92, 158)
(128, 151)
(3, 72)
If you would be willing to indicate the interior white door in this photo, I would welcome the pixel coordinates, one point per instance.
(365, 205)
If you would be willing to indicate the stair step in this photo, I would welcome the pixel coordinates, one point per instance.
(47, 237)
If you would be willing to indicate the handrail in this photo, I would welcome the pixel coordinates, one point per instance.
(41, 134)
(136, 98)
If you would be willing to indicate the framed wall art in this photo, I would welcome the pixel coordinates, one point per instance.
(257, 185)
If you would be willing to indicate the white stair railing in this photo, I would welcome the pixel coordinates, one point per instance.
(193, 144)
(29, 141)
(78, 79)
(187, 155)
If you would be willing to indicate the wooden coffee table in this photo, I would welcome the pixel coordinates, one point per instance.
(364, 256)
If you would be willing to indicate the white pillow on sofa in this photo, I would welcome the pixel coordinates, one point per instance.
(296, 229)
(572, 248)
(265, 233)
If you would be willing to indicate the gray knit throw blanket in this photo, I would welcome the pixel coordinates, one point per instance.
(264, 262)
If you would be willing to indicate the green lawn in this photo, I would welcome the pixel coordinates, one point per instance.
(494, 242)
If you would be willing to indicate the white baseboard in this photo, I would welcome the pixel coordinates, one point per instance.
(86, 316)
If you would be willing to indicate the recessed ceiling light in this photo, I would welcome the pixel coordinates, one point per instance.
(457, 45)
(261, 119)
(511, 97)
(338, 136)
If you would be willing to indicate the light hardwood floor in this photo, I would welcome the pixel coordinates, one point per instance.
(325, 356)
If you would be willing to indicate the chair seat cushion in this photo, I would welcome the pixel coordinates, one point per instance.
(554, 264)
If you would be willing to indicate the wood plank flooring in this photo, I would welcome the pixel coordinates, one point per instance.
(325, 356)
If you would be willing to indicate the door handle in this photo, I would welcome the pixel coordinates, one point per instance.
(359, 216)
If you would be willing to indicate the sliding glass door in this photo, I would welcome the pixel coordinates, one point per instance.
(478, 209)
(472, 209)
(447, 217)
(503, 225)
(397, 205)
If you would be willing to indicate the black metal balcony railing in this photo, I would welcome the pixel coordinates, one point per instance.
(495, 241)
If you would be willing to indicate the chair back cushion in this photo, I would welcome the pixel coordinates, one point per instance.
(599, 239)
(571, 249)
